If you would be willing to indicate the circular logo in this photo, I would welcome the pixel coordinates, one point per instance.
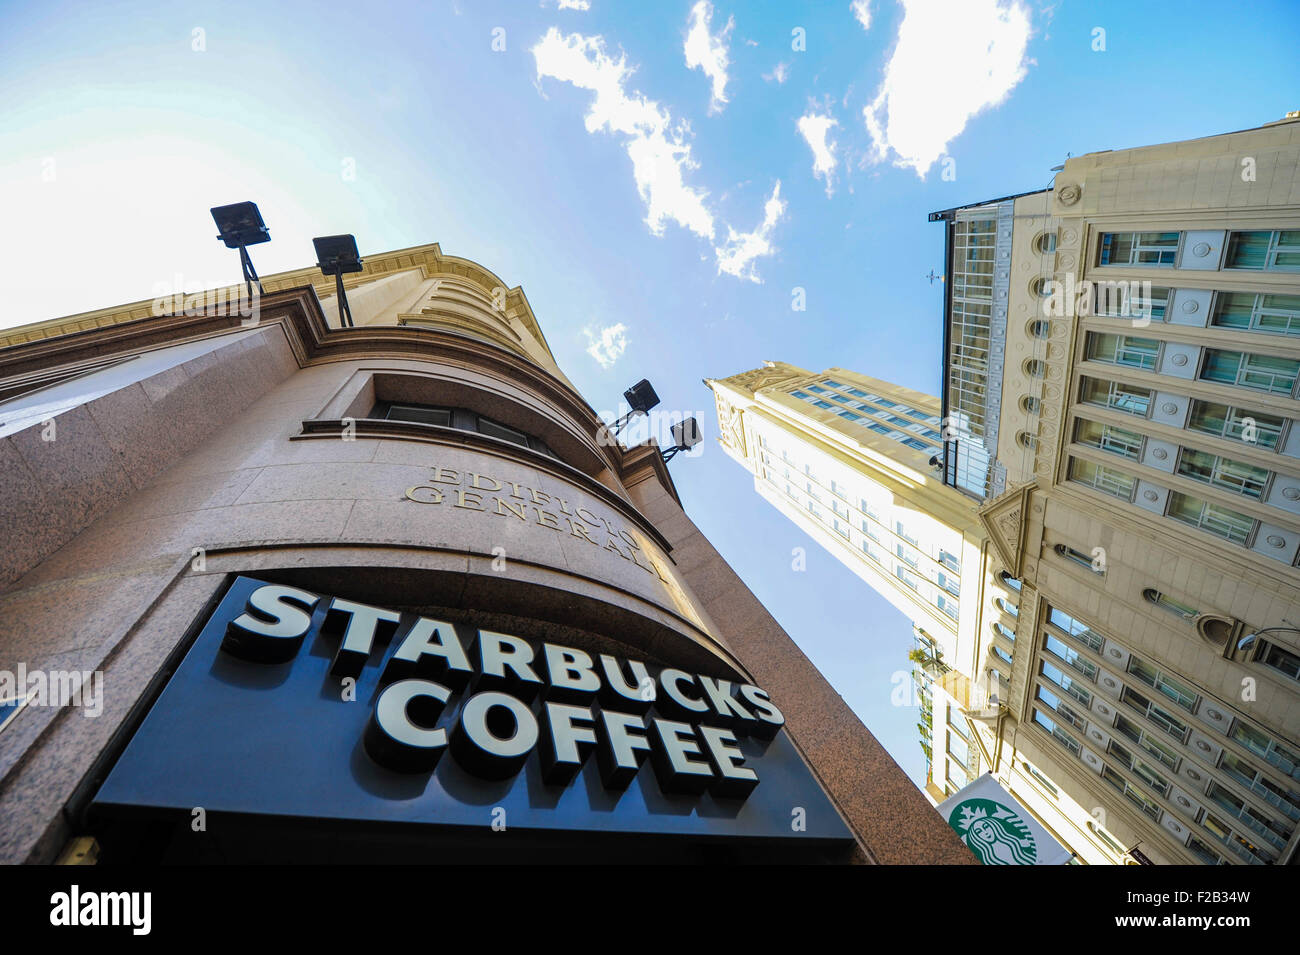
(996, 834)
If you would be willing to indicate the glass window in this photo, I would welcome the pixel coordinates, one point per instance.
(950, 561)
(1236, 476)
(1109, 438)
(1212, 518)
(1063, 710)
(1265, 746)
(1276, 314)
(1148, 806)
(1176, 691)
(1062, 737)
(1225, 421)
(959, 750)
(1004, 631)
(1075, 628)
(1280, 659)
(1009, 581)
(1079, 557)
(1105, 479)
(1006, 607)
(1264, 251)
(1001, 654)
(1070, 686)
(420, 413)
(1168, 603)
(1126, 350)
(1071, 657)
(1156, 713)
(1261, 372)
(1138, 248)
(1111, 394)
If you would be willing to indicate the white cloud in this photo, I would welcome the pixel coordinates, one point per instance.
(780, 73)
(815, 129)
(656, 145)
(708, 52)
(862, 12)
(609, 346)
(572, 4)
(737, 255)
(920, 109)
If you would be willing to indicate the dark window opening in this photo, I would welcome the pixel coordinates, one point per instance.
(460, 418)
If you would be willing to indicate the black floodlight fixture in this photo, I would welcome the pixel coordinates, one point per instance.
(640, 398)
(240, 225)
(686, 435)
(336, 255)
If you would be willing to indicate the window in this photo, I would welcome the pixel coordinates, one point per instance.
(1041, 779)
(818, 389)
(1105, 837)
(1027, 440)
(460, 418)
(1280, 659)
(1039, 328)
(1001, 654)
(1275, 314)
(1212, 518)
(1030, 405)
(1004, 631)
(1266, 251)
(947, 605)
(1134, 796)
(1035, 368)
(1236, 476)
(1168, 603)
(1224, 421)
(1009, 581)
(1130, 300)
(1007, 608)
(1139, 768)
(1274, 831)
(1132, 399)
(1070, 657)
(1067, 684)
(1079, 557)
(1063, 710)
(1138, 248)
(1261, 372)
(1142, 738)
(1174, 690)
(1286, 800)
(898, 528)
(1046, 243)
(903, 574)
(1077, 629)
(950, 561)
(1109, 438)
(849, 415)
(959, 749)
(1102, 478)
(1263, 745)
(1123, 350)
(905, 555)
(832, 384)
(1203, 852)
(1156, 713)
(1062, 737)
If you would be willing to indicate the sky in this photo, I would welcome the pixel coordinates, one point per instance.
(665, 180)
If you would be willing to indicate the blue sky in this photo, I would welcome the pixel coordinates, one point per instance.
(576, 153)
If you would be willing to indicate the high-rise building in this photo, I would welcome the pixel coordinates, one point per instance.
(276, 589)
(1121, 415)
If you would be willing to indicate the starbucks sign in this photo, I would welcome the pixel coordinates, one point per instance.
(997, 829)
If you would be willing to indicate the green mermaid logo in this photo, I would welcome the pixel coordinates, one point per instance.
(996, 834)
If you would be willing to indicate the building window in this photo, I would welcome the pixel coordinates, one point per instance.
(903, 574)
(1079, 557)
(1280, 659)
(1168, 603)
(1108, 438)
(1130, 300)
(1062, 737)
(1035, 368)
(1001, 654)
(1131, 399)
(1133, 795)
(1211, 518)
(1155, 713)
(1070, 686)
(1225, 421)
(947, 605)
(950, 561)
(1105, 837)
(1101, 478)
(1203, 852)
(1167, 685)
(1142, 738)
(1274, 831)
(1009, 581)
(1077, 629)
(1275, 314)
(1126, 350)
(1235, 476)
(1264, 251)
(459, 418)
(1063, 710)
(1237, 769)
(1041, 779)
(1138, 248)
(1007, 608)
(1030, 405)
(1027, 441)
(1261, 372)
(1070, 657)
(1045, 243)
(1004, 631)
(1270, 750)
(1139, 768)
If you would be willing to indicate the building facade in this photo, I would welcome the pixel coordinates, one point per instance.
(1143, 351)
(260, 571)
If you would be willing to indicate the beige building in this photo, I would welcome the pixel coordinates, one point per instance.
(1142, 345)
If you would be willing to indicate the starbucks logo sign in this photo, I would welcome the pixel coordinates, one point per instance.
(995, 833)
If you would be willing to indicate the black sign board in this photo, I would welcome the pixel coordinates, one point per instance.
(296, 704)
